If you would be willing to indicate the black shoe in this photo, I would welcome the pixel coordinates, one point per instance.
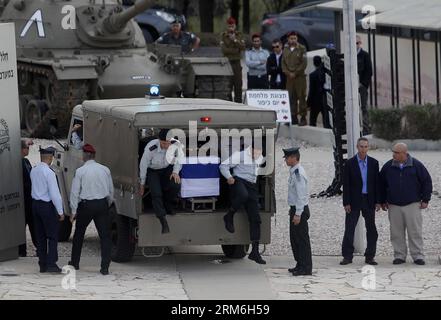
(293, 269)
(229, 223)
(399, 261)
(53, 269)
(164, 224)
(420, 262)
(371, 261)
(43, 269)
(345, 262)
(22, 255)
(104, 271)
(256, 257)
(76, 266)
(303, 122)
(301, 273)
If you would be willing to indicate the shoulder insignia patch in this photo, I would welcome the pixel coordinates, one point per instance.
(153, 148)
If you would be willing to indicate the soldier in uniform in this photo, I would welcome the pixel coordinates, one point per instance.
(245, 192)
(160, 167)
(90, 198)
(298, 200)
(293, 65)
(47, 207)
(27, 188)
(233, 45)
(187, 40)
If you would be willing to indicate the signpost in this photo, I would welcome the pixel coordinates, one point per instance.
(277, 100)
(352, 96)
(12, 225)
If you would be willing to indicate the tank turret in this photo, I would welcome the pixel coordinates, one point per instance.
(117, 21)
(71, 51)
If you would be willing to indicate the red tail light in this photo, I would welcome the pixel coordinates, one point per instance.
(206, 119)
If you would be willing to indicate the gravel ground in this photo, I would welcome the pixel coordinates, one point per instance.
(327, 216)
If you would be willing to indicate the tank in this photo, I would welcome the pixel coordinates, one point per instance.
(204, 73)
(71, 51)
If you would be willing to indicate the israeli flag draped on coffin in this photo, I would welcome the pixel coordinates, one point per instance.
(200, 177)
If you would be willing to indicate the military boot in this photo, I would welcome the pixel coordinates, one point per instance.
(255, 255)
(164, 225)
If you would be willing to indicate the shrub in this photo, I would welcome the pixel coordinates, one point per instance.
(386, 124)
(410, 122)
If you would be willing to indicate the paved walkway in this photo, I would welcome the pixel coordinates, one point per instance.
(182, 276)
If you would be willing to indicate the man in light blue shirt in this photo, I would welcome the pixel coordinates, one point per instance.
(298, 200)
(47, 207)
(244, 192)
(90, 198)
(256, 59)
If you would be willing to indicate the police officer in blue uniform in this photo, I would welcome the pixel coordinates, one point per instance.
(187, 40)
(298, 200)
(160, 167)
(47, 207)
(244, 192)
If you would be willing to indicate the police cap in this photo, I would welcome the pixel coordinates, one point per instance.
(48, 150)
(291, 152)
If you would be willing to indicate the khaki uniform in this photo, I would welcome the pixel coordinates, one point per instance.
(232, 49)
(295, 62)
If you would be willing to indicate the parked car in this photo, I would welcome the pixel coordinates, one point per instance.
(314, 26)
(156, 21)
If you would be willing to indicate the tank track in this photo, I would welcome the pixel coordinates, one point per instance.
(63, 97)
(213, 87)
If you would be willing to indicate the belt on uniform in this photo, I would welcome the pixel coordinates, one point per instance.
(42, 201)
(91, 201)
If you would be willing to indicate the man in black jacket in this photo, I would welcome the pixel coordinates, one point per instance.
(316, 95)
(274, 67)
(27, 187)
(406, 189)
(365, 76)
(361, 192)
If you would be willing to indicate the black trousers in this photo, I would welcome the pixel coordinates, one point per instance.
(98, 211)
(364, 93)
(163, 190)
(315, 111)
(300, 242)
(245, 193)
(29, 221)
(277, 86)
(46, 222)
(371, 231)
(256, 82)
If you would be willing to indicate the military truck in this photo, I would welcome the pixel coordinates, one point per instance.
(120, 129)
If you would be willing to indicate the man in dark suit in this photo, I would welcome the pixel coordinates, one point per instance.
(316, 95)
(27, 187)
(365, 76)
(361, 193)
(274, 67)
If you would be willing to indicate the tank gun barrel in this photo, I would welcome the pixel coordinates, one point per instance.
(117, 21)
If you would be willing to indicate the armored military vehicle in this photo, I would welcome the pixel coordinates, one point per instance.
(127, 126)
(71, 51)
(200, 74)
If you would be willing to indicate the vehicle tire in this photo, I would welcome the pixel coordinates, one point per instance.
(123, 246)
(65, 230)
(235, 251)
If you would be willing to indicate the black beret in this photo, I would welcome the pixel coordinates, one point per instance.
(163, 134)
